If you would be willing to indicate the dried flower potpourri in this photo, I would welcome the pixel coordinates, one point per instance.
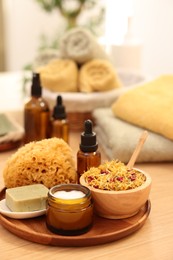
(114, 176)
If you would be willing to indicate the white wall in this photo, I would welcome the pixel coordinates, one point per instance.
(25, 21)
(154, 25)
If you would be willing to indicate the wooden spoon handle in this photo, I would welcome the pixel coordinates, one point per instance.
(137, 150)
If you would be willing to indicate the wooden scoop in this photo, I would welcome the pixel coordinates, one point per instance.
(137, 150)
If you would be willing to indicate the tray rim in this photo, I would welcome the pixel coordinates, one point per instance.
(74, 241)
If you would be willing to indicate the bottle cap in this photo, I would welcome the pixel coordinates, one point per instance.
(88, 138)
(59, 109)
(36, 89)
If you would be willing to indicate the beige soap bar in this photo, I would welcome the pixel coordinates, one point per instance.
(27, 198)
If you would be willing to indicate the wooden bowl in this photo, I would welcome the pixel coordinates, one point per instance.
(120, 204)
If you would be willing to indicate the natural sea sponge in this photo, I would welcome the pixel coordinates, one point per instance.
(49, 162)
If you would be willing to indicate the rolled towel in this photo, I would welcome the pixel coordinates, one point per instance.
(81, 46)
(149, 105)
(44, 57)
(59, 75)
(98, 75)
(119, 138)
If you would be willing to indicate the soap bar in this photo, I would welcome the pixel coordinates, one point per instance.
(26, 198)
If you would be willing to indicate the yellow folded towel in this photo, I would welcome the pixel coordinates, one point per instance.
(98, 75)
(80, 45)
(59, 75)
(149, 105)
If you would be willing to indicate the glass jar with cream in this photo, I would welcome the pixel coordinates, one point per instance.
(69, 209)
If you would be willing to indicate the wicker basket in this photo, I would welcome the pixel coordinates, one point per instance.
(77, 119)
(79, 106)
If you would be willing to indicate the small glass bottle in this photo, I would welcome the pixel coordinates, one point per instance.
(88, 156)
(68, 214)
(59, 126)
(36, 113)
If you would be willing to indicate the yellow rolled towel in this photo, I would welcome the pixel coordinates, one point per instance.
(149, 106)
(98, 75)
(59, 75)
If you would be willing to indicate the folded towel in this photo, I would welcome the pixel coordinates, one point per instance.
(80, 45)
(10, 130)
(119, 139)
(149, 105)
(59, 75)
(98, 75)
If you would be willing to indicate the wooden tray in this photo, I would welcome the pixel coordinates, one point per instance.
(103, 230)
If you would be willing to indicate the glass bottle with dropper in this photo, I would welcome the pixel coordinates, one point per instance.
(36, 113)
(59, 126)
(88, 156)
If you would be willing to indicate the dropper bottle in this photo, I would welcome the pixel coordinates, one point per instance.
(88, 156)
(59, 126)
(36, 113)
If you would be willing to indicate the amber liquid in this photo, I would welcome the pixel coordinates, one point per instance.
(36, 120)
(64, 232)
(60, 129)
(69, 223)
(87, 160)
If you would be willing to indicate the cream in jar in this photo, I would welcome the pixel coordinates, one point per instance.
(69, 209)
(72, 194)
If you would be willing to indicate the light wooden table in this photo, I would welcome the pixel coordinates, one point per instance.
(153, 241)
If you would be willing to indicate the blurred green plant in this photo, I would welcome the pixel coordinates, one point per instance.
(71, 10)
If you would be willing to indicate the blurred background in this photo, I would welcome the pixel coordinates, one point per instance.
(136, 34)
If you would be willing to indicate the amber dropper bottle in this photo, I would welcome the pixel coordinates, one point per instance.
(88, 156)
(36, 113)
(59, 126)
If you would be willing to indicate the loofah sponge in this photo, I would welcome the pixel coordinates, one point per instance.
(59, 75)
(98, 75)
(49, 162)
